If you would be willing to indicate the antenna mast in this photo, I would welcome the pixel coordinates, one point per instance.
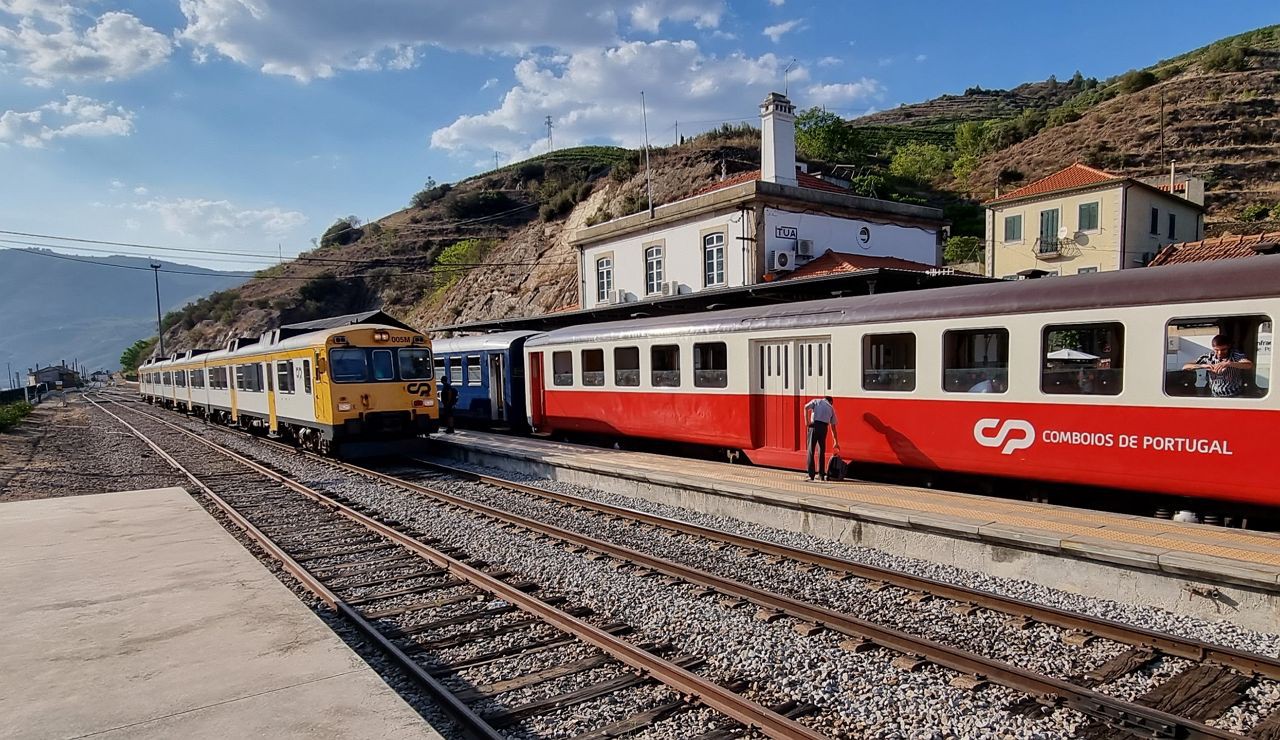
(550, 142)
(785, 70)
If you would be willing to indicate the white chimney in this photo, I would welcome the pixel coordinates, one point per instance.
(778, 140)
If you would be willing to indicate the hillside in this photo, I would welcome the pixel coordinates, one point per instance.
(57, 309)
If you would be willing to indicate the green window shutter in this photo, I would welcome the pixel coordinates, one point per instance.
(1013, 228)
(1088, 216)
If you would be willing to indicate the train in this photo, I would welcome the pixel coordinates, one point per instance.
(1088, 380)
(337, 386)
(487, 371)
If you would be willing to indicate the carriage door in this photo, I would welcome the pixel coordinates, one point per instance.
(775, 400)
(814, 359)
(537, 394)
(497, 385)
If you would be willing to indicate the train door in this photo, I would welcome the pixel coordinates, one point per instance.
(775, 400)
(814, 359)
(537, 393)
(497, 388)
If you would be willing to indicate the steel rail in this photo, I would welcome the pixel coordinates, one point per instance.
(1110, 709)
(682, 680)
(471, 722)
(1197, 650)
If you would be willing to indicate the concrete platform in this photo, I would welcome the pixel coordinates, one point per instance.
(1205, 571)
(137, 615)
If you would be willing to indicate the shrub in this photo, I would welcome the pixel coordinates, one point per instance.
(1135, 80)
(868, 185)
(1275, 212)
(1254, 212)
(921, 163)
(530, 171)
(343, 232)
(12, 413)
(455, 259)
(964, 166)
(1224, 58)
(962, 249)
(429, 194)
(478, 205)
(136, 353)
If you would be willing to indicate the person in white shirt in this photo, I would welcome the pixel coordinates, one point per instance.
(821, 416)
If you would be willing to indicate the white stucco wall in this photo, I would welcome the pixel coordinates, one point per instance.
(783, 228)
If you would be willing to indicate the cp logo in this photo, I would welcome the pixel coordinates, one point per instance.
(1014, 434)
(418, 389)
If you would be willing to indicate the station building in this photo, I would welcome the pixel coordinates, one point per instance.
(1081, 220)
(756, 227)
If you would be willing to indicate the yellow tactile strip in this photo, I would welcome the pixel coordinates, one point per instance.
(1219, 543)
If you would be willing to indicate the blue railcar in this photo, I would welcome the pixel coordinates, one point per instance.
(488, 373)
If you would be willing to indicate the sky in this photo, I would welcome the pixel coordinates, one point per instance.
(249, 126)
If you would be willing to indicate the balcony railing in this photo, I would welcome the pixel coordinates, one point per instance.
(1048, 248)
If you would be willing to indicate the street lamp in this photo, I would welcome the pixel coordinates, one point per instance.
(155, 268)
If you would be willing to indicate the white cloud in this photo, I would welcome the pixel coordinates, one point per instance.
(830, 62)
(139, 190)
(844, 93)
(778, 30)
(921, 57)
(74, 117)
(116, 185)
(52, 41)
(594, 95)
(306, 39)
(219, 218)
(489, 83)
(884, 61)
(777, 3)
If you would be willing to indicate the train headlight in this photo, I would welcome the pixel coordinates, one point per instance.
(344, 405)
(381, 336)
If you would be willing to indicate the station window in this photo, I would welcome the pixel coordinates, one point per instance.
(889, 362)
(348, 365)
(664, 362)
(626, 366)
(710, 365)
(284, 376)
(473, 370)
(415, 364)
(604, 278)
(384, 366)
(1082, 359)
(593, 367)
(975, 361)
(1195, 347)
(562, 368)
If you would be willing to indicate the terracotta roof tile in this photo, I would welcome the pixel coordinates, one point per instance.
(834, 263)
(1225, 247)
(803, 179)
(1076, 176)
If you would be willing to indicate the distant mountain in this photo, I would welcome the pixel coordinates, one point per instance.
(56, 309)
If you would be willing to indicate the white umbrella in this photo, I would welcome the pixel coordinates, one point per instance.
(1070, 354)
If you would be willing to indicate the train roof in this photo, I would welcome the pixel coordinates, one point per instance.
(496, 341)
(1251, 277)
(298, 341)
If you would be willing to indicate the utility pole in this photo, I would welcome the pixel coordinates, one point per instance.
(495, 159)
(1162, 133)
(155, 268)
(550, 142)
(677, 133)
(648, 177)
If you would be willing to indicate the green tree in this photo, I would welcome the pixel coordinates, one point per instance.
(456, 259)
(827, 137)
(922, 163)
(1224, 58)
(962, 249)
(135, 354)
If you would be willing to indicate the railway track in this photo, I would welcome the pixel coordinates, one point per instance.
(1215, 679)
(418, 601)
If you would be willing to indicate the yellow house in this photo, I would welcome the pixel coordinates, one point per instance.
(1081, 220)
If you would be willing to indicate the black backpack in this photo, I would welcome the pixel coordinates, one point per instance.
(837, 469)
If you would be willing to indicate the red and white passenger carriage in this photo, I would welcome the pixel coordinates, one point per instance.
(1084, 374)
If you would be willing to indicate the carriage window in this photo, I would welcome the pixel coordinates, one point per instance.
(473, 370)
(1218, 357)
(593, 367)
(384, 367)
(1082, 359)
(348, 365)
(181, 375)
(239, 377)
(284, 376)
(562, 368)
(889, 362)
(306, 376)
(455, 370)
(220, 377)
(975, 361)
(626, 366)
(264, 371)
(415, 364)
(665, 366)
(197, 378)
(710, 365)
(438, 364)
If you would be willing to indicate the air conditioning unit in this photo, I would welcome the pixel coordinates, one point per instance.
(671, 288)
(804, 248)
(617, 296)
(782, 260)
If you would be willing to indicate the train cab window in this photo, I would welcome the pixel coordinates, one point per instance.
(664, 363)
(415, 364)
(975, 361)
(284, 376)
(562, 368)
(889, 362)
(593, 367)
(384, 366)
(473, 370)
(306, 376)
(1218, 356)
(626, 366)
(1082, 359)
(455, 370)
(348, 365)
(711, 365)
